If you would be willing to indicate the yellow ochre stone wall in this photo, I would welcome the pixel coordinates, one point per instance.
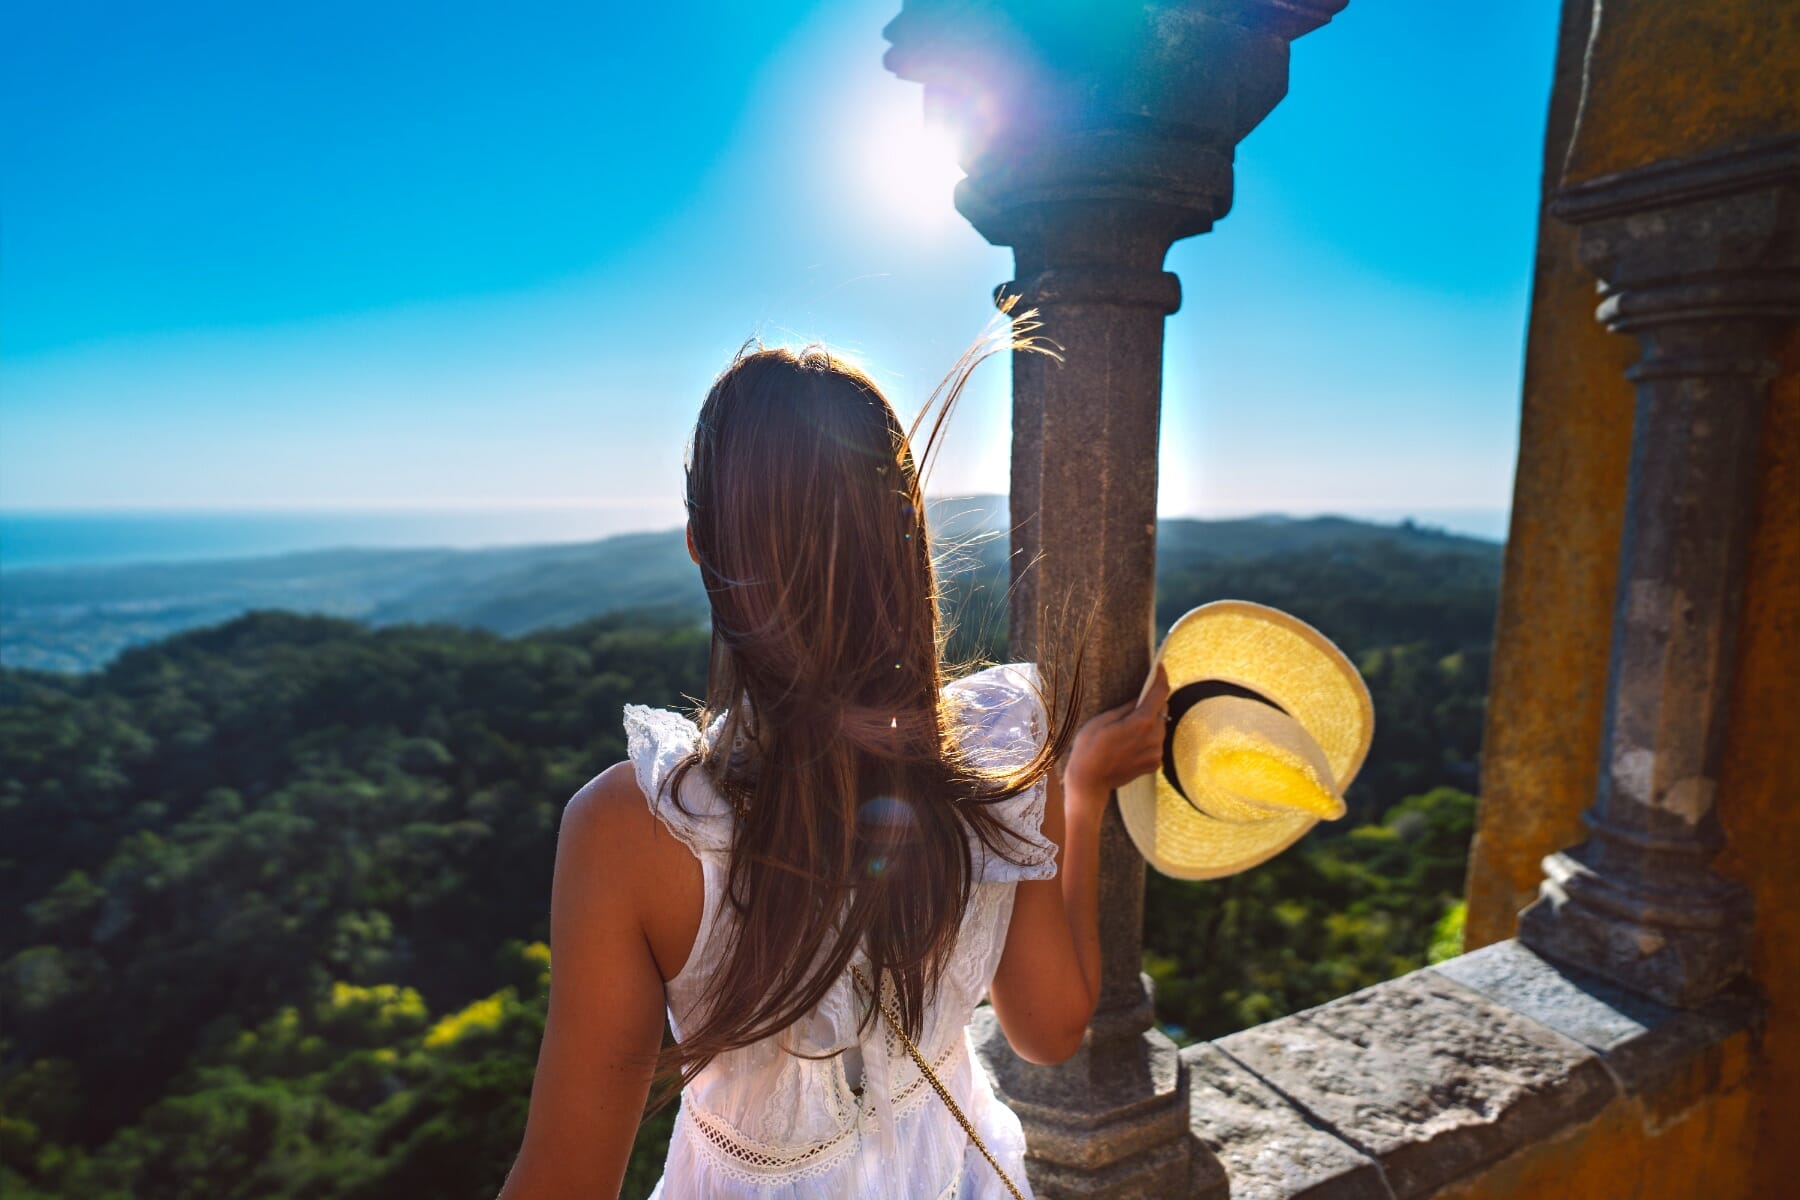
(1759, 790)
(1540, 750)
(1674, 78)
(1668, 79)
(1690, 1139)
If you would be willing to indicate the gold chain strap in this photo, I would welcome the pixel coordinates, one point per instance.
(937, 1085)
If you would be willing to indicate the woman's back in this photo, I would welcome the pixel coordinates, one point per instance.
(834, 1105)
(878, 817)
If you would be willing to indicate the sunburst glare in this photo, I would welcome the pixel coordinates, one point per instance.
(910, 165)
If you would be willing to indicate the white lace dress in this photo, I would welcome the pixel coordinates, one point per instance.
(760, 1123)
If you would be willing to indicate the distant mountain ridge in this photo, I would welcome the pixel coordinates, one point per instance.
(77, 618)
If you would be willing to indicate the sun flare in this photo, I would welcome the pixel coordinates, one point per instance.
(911, 167)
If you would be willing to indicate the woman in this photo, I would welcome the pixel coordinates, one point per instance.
(840, 816)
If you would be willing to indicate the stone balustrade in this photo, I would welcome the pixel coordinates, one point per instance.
(1463, 1078)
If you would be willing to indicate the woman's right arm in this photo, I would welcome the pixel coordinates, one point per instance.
(1048, 981)
(605, 1022)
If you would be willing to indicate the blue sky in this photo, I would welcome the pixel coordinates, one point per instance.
(448, 255)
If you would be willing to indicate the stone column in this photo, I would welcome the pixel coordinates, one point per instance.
(1699, 260)
(1095, 137)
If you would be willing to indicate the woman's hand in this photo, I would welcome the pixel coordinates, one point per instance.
(1116, 746)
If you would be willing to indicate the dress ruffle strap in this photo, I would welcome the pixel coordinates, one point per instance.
(1002, 724)
(1001, 721)
(657, 740)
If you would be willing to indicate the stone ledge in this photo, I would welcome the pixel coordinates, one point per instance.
(1268, 1149)
(1410, 1085)
(1643, 1044)
(1426, 1077)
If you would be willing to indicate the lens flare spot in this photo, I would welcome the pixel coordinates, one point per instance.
(885, 812)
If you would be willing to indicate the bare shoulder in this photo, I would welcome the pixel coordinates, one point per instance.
(620, 854)
(608, 826)
(610, 805)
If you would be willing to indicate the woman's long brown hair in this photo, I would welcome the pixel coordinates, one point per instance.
(854, 797)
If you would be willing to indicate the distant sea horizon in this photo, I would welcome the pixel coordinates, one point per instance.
(77, 537)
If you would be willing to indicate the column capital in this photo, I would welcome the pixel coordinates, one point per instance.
(1711, 238)
(1134, 108)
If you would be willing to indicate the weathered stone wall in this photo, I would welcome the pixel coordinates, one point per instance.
(1760, 787)
(1540, 752)
(1672, 79)
(1669, 80)
(1541, 747)
(1720, 1126)
(1686, 1141)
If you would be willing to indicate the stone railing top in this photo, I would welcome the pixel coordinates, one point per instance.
(1406, 1086)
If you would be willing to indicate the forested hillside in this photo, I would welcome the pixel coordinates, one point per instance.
(77, 618)
(278, 887)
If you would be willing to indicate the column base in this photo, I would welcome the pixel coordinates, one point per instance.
(1677, 956)
(1111, 1123)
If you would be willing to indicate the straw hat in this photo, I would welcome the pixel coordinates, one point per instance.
(1268, 722)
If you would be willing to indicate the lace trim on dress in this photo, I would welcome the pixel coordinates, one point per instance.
(914, 1093)
(740, 1157)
